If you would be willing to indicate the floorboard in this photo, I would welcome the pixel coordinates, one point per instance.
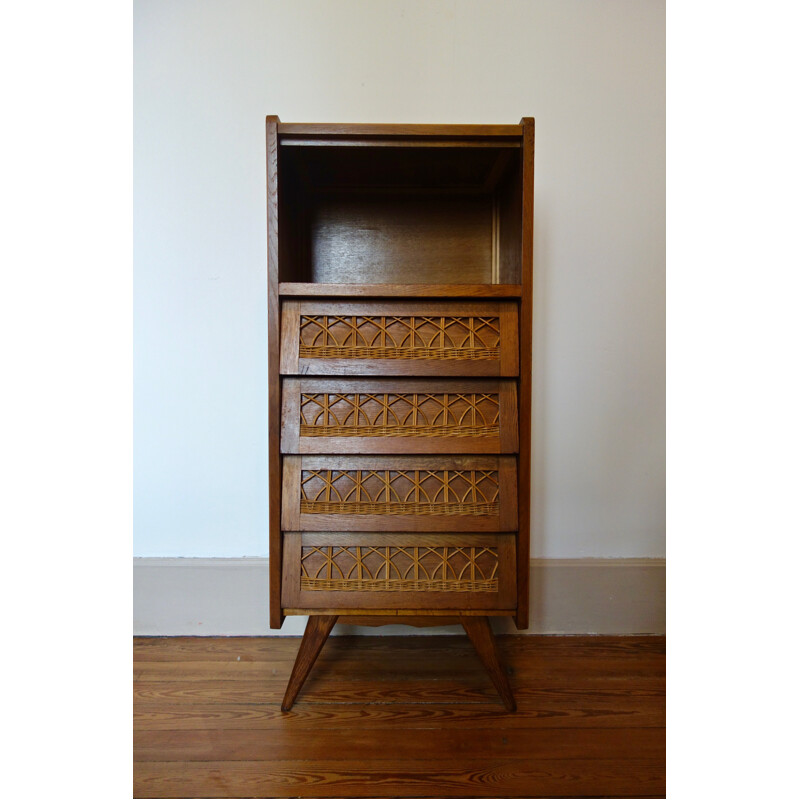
(399, 717)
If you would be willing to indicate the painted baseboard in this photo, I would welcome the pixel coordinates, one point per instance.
(228, 597)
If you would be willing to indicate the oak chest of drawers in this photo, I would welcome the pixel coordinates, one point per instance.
(400, 293)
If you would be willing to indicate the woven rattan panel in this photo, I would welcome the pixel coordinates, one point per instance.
(403, 569)
(410, 414)
(417, 492)
(404, 337)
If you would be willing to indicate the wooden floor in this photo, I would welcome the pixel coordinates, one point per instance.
(406, 716)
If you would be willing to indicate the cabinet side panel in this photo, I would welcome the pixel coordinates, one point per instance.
(273, 371)
(525, 376)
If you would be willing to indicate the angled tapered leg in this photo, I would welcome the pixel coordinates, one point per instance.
(316, 634)
(482, 638)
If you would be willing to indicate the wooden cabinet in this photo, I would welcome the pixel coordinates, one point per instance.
(400, 291)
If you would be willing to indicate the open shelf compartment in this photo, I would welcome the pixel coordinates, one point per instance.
(402, 214)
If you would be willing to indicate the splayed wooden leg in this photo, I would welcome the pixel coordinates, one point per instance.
(316, 634)
(482, 638)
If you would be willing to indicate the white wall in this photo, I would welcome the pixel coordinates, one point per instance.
(206, 73)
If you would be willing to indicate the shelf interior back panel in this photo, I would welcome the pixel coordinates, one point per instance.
(382, 239)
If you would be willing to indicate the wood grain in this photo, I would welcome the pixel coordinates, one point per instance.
(402, 367)
(290, 515)
(543, 666)
(273, 374)
(362, 662)
(299, 289)
(373, 129)
(482, 638)
(379, 744)
(317, 631)
(452, 777)
(290, 331)
(508, 202)
(366, 689)
(405, 143)
(579, 650)
(415, 621)
(390, 239)
(550, 712)
(419, 613)
(371, 722)
(525, 375)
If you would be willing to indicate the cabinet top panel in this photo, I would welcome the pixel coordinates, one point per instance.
(347, 129)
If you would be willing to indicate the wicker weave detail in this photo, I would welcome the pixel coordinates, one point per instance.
(467, 415)
(425, 492)
(390, 337)
(323, 585)
(471, 509)
(399, 569)
(463, 354)
(461, 431)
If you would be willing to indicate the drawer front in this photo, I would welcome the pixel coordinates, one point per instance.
(399, 493)
(399, 338)
(399, 415)
(376, 570)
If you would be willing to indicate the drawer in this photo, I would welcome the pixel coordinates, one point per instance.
(391, 337)
(399, 493)
(377, 570)
(398, 415)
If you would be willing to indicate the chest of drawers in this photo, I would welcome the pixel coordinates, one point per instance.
(400, 311)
